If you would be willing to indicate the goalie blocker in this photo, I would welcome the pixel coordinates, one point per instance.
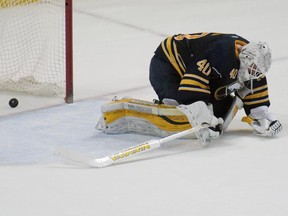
(138, 116)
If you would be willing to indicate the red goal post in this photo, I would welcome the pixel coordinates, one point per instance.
(36, 47)
(69, 51)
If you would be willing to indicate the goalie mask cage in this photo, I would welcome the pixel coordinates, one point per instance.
(36, 47)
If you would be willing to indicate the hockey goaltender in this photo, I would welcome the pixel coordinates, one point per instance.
(200, 78)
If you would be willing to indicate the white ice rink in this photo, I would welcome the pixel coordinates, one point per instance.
(238, 175)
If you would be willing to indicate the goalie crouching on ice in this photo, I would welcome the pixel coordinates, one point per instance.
(199, 78)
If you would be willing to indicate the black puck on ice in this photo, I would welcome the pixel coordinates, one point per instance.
(13, 102)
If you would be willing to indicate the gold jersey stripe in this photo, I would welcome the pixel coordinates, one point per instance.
(177, 58)
(256, 102)
(194, 89)
(260, 88)
(194, 83)
(189, 36)
(257, 95)
(197, 77)
(170, 56)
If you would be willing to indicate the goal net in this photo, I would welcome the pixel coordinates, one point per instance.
(36, 47)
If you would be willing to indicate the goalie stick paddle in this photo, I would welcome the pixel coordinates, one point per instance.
(123, 154)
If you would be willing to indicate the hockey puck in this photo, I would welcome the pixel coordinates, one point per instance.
(13, 102)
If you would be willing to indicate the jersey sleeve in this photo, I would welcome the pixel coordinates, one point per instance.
(258, 97)
(195, 83)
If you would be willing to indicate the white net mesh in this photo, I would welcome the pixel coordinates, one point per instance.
(32, 46)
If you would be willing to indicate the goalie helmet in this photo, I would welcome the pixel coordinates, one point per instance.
(255, 61)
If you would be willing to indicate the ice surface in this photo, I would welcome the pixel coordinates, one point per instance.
(239, 174)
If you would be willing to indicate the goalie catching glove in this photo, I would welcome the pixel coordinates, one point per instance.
(263, 122)
(198, 113)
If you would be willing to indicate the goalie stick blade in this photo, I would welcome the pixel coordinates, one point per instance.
(76, 157)
(125, 153)
(110, 159)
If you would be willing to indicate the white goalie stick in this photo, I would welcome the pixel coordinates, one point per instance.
(126, 153)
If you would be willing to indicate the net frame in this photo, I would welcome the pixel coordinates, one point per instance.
(17, 73)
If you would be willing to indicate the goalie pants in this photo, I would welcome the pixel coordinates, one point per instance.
(163, 79)
(165, 82)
